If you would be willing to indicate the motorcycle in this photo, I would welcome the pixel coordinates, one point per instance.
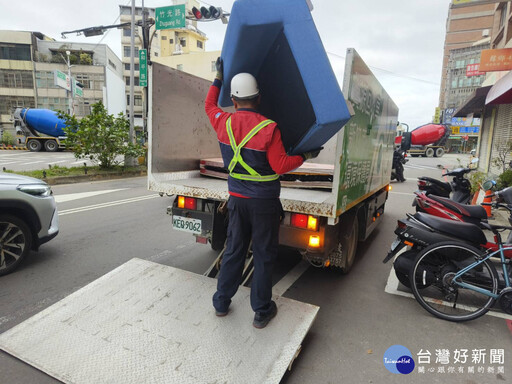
(421, 230)
(459, 189)
(399, 159)
(449, 209)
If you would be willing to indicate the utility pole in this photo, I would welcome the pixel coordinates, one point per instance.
(70, 97)
(128, 160)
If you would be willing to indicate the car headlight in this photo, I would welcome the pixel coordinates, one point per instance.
(42, 190)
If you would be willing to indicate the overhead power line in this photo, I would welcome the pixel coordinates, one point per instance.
(393, 73)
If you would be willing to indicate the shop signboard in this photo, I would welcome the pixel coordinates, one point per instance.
(492, 60)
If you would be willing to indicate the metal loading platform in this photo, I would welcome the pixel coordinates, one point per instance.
(149, 323)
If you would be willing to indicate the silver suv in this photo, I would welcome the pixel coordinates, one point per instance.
(28, 218)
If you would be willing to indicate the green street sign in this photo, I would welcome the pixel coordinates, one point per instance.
(143, 67)
(170, 17)
(77, 91)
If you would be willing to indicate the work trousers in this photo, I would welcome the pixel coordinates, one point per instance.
(256, 219)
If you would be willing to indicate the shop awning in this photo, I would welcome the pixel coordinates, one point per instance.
(501, 92)
(474, 104)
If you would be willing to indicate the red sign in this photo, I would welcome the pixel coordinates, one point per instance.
(473, 70)
(496, 60)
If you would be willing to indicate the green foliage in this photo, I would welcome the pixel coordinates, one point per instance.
(7, 138)
(476, 179)
(504, 180)
(85, 59)
(501, 154)
(100, 137)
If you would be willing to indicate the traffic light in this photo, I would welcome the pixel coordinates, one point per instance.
(197, 13)
(208, 14)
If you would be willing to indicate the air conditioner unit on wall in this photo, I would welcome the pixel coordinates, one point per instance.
(485, 33)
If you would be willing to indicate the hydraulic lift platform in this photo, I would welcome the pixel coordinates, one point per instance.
(149, 323)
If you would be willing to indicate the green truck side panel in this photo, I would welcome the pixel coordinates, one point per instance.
(368, 138)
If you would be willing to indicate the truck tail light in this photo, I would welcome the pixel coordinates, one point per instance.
(187, 203)
(314, 241)
(300, 220)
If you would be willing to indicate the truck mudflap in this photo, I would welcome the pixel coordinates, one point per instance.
(147, 322)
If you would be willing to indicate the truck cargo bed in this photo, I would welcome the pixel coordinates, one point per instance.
(313, 202)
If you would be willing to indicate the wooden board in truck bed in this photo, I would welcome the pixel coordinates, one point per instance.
(308, 175)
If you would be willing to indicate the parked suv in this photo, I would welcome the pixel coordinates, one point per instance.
(28, 218)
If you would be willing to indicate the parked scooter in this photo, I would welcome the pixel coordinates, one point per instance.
(449, 209)
(459, 189)
(421, 230)
(399, 159)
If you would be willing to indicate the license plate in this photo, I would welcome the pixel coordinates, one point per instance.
(186, 224)
(395, 244)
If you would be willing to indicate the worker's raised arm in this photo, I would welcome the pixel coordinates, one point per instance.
(211, 107)
(277, 157)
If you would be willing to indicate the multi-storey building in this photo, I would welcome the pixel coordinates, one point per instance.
(165, 45)
(28, 61)
(466, 24)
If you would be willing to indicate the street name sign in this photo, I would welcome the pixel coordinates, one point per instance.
(62, 80)
(143, 67)
(170, 17)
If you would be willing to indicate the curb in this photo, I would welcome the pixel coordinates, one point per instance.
(13, 148)
(83, 178)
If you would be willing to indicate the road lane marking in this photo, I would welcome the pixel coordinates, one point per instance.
(290, 278)
(392, 286)
(83, 195)
(106, 205)
(34, 162)
(56, 162)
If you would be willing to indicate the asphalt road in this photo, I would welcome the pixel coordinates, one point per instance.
(27, 161)
(105, 224)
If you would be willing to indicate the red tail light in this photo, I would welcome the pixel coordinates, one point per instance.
(187, 203)
(422, 183)
(299, 220)
(401, 224)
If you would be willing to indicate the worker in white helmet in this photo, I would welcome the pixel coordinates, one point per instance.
(254, 155)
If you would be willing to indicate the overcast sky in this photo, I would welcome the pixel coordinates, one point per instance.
(402, 41)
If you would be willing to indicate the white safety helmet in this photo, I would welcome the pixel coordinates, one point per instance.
(244, 86)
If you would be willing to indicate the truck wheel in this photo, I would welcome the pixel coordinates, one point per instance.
(349, 236)
(51, 146)
(439, 152)
(15, 242)
(34, 145)
(430, 152)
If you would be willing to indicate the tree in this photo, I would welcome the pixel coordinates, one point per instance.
(502, 152)
(100, 137)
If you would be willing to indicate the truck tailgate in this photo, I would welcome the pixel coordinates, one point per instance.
(146, 322)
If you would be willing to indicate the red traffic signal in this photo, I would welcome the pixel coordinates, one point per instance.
(197, 13)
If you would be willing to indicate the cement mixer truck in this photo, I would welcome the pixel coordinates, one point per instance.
(426, 140)
(39, 129)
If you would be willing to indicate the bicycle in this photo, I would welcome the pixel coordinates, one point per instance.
(457, 282)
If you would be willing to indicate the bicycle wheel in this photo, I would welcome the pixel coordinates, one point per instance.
(435, 268)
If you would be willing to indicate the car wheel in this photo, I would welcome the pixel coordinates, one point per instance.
(15, 242)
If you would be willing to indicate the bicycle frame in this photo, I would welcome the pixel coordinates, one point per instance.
(504, 263)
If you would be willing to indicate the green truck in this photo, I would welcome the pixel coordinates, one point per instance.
(329, 206)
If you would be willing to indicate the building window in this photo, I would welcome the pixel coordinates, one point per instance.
(127, 32)
(137, 100)
(164, 37)
(16, 79)
(135, 82)
(15, 52)
(199, 44)
(111, 64)
(127, 50)
(9, 103)
(155, 53)
(127, 66)
(179, 67)
(454, 83)
(171, 41)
